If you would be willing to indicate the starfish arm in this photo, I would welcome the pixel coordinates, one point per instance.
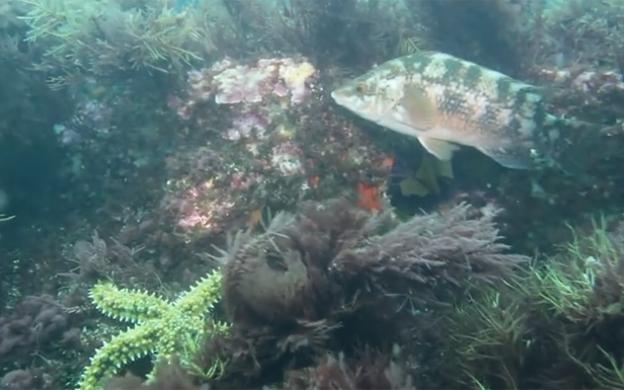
(201, 298)
(126, 305)
(163, 328)
(126, 347)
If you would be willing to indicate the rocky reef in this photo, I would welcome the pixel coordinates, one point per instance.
(137, 137)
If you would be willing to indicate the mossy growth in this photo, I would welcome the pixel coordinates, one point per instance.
(555, 325)
(111, 38)
(581, 32)
(167, 330)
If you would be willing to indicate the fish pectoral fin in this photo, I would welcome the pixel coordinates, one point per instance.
(445, 169)
(411, 186)
(418, 109)
(443, 150)
(509, 157)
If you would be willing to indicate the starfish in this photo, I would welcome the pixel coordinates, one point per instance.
(161, 327)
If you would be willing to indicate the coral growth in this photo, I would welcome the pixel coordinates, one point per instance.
(36, 327)
(592, 95)
(268, 139)
(22, 380)
(229, 83)
(167, 377)
(261, 98)
(577, 32)
(367, 372)
(432, 250)
(286, 272)
(36, 323)
(96, 259)
(291, 289)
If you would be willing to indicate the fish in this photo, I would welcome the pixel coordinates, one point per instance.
(447, 102)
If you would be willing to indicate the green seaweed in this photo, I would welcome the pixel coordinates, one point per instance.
(104, 38)
(551, 324)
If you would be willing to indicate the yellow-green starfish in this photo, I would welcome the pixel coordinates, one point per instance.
(162, 328)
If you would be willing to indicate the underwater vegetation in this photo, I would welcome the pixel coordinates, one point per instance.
(555, 325)
(490, 31)
(24, 139)
(184, 205)
(108, 39)
(335, 277)
(354, 247)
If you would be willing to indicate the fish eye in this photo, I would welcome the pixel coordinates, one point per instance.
(361, 88)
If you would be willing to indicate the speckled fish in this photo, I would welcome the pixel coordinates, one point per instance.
(445, 101)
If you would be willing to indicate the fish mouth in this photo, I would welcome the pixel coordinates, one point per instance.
(342, 99)
(336, 97)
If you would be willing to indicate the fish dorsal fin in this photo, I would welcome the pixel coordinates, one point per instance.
(509, 157)
(441, 149)
(419, 110)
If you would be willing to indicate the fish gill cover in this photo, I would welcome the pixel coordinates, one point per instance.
(311, 194)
